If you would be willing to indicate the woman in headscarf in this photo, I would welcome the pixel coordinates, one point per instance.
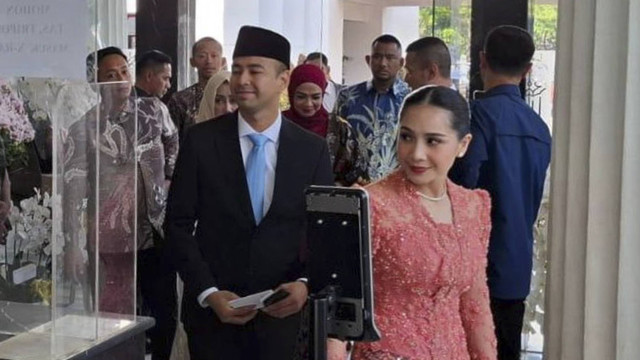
(306, 91)
(216, 99)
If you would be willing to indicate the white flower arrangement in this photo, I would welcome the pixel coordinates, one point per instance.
(29, 240)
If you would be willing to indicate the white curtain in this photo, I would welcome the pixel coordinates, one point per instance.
(112, 23)
(593, 290)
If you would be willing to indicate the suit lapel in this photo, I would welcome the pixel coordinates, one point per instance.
(230, 155)
(284, 171)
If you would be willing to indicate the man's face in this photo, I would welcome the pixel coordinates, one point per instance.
(207, 59)
(318, 63)
(256, 82)
(113, 68)
(158, 80)
(385, 61)
(415, 75)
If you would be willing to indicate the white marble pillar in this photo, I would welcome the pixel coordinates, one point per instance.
(401, 22)
(236, 14)
(297, 26)
(593, 291)
(112, 23)
(332, 35)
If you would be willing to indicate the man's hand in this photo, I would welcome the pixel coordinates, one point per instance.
(74, 263)
(336, 350)
(219, 302)
(291, 304)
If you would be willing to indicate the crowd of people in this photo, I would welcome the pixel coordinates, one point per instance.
(454, 188)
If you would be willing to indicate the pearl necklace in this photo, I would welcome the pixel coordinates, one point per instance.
(434, 199)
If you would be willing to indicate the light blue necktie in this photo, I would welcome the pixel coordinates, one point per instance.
(256, 168)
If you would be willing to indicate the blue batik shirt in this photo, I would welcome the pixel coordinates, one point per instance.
(374, 119)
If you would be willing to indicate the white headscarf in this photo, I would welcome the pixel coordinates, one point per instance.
(207, 104)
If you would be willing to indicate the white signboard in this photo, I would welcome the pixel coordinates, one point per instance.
(44, 38)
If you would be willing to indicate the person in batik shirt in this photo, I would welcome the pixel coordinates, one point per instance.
(371, 107)
(206, 57)
(122, 126)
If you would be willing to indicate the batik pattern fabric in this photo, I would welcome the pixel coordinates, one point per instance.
(184, 106)
(374, 119)
(349, 166)
(114, 184)
(431, 294)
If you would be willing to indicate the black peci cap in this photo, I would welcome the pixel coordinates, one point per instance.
(255, 41)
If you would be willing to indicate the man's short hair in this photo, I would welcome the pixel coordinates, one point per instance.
(508, 50)
(318, 56)
(432, 50)
(194, 48)
(151, 59)
(387, 39)
(93, 60)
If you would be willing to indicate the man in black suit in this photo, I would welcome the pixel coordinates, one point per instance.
(242, 177)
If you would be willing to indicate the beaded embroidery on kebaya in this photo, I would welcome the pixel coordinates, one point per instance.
(431, 296)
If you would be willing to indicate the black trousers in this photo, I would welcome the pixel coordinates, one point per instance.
(263, 338)
(508, 316)
(157, 284)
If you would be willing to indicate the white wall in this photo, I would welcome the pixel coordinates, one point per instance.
(401, 22)
(363, 23)
(332, 39)
(366, 21)
(310, 25)
(209, 19)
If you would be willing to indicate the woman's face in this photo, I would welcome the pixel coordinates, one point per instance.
(224, 102)
(428, 146)
(307, 99)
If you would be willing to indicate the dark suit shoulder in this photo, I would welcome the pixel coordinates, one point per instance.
(206, 129)
(301, 135)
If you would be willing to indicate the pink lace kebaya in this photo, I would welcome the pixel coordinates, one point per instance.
(431, 295)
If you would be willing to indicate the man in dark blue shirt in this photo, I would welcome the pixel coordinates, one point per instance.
(508, 156)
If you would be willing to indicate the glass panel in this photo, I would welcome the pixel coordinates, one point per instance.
(451, 21)
(27, 108)
(67, 264)
(97, 185)
(539, 94)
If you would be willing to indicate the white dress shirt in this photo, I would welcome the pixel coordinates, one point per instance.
(330, 96)
(271, 152)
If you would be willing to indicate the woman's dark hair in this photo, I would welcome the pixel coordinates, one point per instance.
(444, 98)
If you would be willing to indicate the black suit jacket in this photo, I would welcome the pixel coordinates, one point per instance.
(227, 249)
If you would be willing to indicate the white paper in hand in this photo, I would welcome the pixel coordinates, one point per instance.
(251, 300)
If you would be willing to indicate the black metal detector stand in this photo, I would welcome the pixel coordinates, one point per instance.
(321, 305)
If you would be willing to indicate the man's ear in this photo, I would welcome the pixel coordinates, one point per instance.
(192, 62)
(368, 60)
(401, 62)
(224, 63)
(285, 76)
(432, 71)
(483, 60)
(147, 74)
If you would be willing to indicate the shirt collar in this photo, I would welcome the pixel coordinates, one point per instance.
(272, 132)
(507, 89)
(139, 92)
(395, 89)
(122, 115)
